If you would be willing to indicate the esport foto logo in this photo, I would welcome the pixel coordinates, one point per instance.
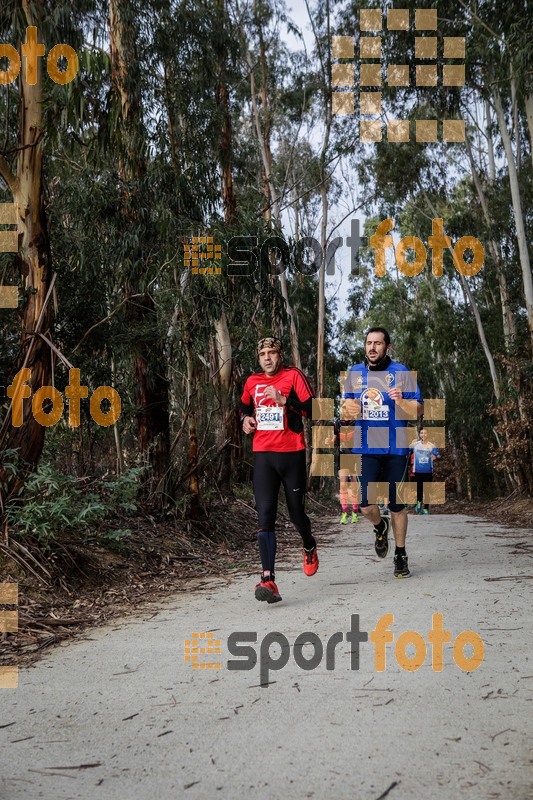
(273, 652)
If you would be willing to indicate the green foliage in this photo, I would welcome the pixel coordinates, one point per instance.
(121, 493)
(113, 539)
(55, 503)
(115, 231)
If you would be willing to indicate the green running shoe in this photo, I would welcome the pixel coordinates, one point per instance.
(344, 518)
(355, 517)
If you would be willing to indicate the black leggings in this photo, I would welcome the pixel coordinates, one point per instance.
(421, 479)
(270, 471)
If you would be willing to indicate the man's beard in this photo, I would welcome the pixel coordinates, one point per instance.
(273, 368)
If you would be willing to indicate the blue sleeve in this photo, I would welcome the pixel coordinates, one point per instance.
(416, 395)
(412, 389)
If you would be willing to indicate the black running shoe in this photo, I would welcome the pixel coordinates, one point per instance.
(382, 539)
(401, 566)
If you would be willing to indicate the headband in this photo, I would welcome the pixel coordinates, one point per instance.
(270, 342)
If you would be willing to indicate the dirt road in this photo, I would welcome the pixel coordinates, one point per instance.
(120, 714)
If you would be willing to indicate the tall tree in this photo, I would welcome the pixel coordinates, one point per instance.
(25, 182)
(322, 44)
(261, 102)
(150, 378)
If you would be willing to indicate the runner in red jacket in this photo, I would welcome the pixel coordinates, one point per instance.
(273, 402)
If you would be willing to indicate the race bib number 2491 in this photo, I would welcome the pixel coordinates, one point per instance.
(269, 418)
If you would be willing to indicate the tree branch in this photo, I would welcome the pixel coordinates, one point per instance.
(105, 319)
(11, 179)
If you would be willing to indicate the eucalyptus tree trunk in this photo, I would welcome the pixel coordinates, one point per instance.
(528, 102)
(149, 368)
(326, 68)
(475, 311)
(272, 209)
(228, 432)
(509, 327)
(512, 476)
(226, 134)
(228, 429)
(490, 142)
(33, 259)
(193, 484)
(467, 471)
(527, 278)
(514, 116)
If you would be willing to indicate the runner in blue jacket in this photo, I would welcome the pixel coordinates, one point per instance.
(382, 395)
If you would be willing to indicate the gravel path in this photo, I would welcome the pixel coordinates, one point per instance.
(119, 714)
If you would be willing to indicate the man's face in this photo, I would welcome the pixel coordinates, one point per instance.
(423, 435)
(376, 347)
(270, 360)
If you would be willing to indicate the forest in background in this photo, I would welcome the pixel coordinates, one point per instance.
(215, 118)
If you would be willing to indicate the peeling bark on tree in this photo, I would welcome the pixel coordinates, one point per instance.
(193, 485)
(528, 102)
(228, 433)
(33, 260)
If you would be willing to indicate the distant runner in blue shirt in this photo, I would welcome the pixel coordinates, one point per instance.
(382, 395)
(424, 454)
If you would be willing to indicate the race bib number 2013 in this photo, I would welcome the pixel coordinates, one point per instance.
(269, 418)
(378, 413)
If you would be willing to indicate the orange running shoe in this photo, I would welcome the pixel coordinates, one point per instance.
(310, 561)
(267, 590)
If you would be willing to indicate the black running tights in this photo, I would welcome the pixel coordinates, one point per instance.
(270, 471)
